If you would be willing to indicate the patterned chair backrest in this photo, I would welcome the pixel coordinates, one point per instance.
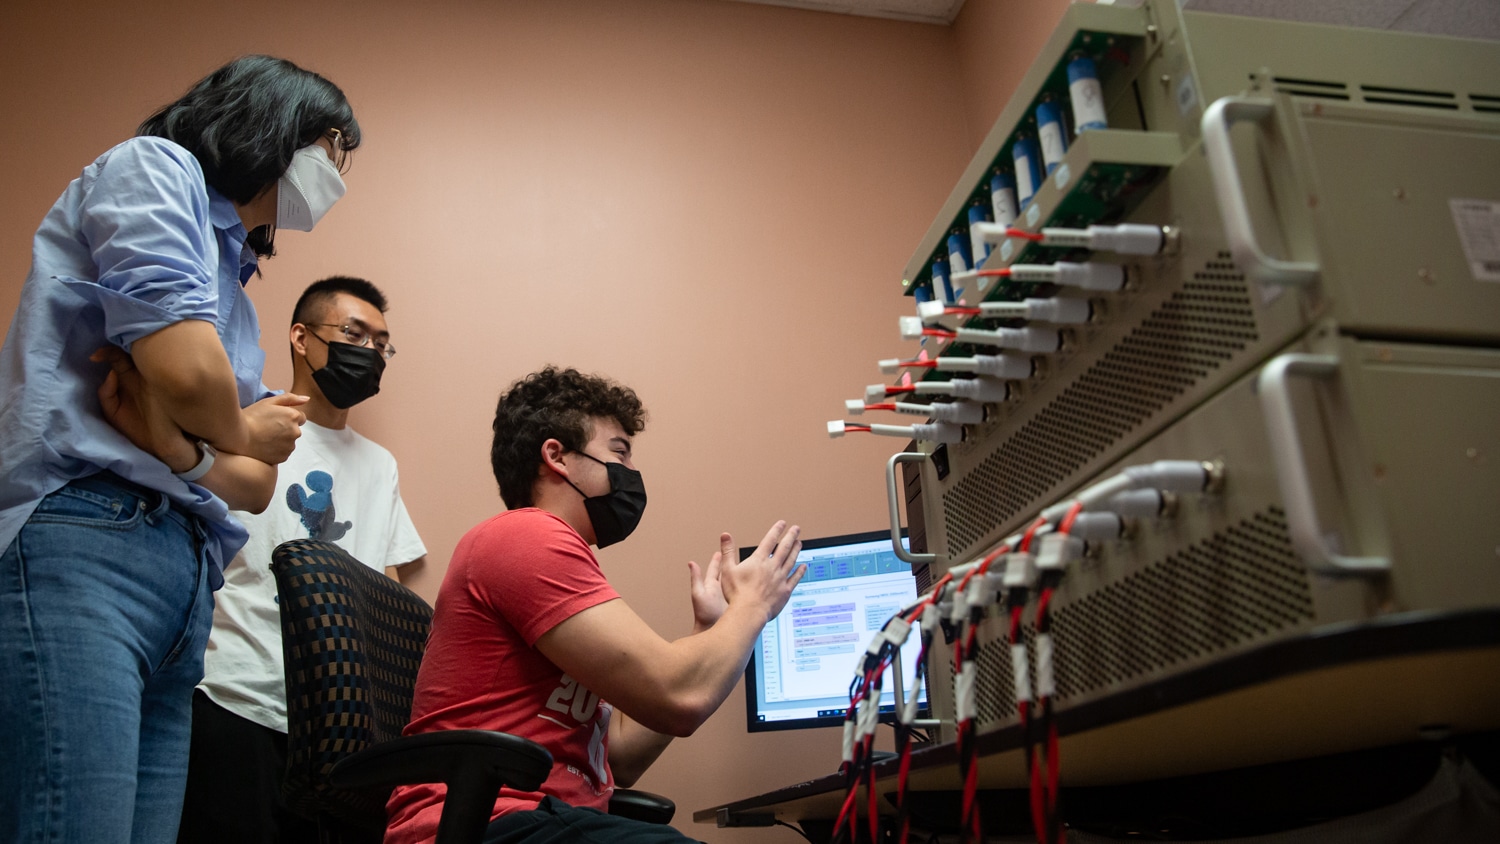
(353, 641)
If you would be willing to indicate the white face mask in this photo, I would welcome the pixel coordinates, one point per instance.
(307, 190)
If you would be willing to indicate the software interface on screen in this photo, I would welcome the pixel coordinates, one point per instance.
(805, 659)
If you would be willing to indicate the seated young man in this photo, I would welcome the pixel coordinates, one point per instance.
(530, 639)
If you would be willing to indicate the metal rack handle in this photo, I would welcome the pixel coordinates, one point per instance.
(1291, 469)
(892, 497)
(1230, 194)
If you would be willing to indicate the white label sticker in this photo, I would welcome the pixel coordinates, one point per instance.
(1478, 224)
(1033, 214)
(1061, 177)
(1005, 249)
(1187, 95)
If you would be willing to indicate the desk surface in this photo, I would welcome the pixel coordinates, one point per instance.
(1336, 689)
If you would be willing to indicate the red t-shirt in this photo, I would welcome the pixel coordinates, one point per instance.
(512, 578)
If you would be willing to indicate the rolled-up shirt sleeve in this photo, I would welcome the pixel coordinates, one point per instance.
(145, 218)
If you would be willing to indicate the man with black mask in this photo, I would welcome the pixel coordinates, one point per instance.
(529, 638)
(336, 486)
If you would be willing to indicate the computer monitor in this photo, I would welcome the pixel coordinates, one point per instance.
(804, 660)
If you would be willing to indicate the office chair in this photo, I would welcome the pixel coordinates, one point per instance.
(353, 641)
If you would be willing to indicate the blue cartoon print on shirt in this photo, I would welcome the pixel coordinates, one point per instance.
(315, 508)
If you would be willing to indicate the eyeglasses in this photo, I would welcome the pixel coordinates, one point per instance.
(340, 155)
(360, 337)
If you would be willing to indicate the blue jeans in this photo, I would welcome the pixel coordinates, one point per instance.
(105, 610)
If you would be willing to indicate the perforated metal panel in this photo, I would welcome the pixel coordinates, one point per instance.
(1200, 327)
(1237, 587)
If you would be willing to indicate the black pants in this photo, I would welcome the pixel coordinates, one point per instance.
(555, 822)
(235, 769)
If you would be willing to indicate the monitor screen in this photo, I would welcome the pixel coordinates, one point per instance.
(804, 660)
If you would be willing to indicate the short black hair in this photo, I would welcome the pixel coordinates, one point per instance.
(556, 404)
(320, 292)
(244, 121)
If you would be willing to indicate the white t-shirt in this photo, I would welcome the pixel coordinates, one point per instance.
(336, 486)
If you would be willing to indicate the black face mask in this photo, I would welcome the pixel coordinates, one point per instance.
(616, 513)
(351, 375)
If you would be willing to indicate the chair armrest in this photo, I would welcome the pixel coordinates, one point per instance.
(443, 755)
(474, 764)
(641, 806)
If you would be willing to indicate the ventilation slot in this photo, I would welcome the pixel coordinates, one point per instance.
(1485, 102)
(1312, 88)
(1243, 585)
(1202, 326)
(1409, 97)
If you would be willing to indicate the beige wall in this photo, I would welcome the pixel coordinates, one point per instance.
(709, 201)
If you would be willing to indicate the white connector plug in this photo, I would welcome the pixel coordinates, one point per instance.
(1060, 311)
(1125, 238)
(937, 432)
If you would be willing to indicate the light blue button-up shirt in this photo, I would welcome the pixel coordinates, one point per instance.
(136, 243)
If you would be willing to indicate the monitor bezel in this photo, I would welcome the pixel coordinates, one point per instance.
(887, 713)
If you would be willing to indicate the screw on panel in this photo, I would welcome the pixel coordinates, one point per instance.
(1379, 471)
(1171, 240)
(1400, 194)
(1426, 276)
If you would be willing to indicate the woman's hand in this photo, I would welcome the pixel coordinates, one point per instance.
(274, 424)
(704, 586)
(129, 405)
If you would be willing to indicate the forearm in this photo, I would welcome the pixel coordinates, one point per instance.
(243, 482)
(190, 373)
(701, 670)
(633, 748)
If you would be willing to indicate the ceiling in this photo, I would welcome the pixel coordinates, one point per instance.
(923, 11)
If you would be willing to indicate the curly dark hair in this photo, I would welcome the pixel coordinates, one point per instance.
(553, 404)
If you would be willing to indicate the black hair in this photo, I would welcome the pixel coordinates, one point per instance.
(244, 121)
(556, 404)
(319, 292)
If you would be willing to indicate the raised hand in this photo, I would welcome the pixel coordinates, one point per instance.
(704, 587)
(129, 405)
(274, 424)
(768, 576)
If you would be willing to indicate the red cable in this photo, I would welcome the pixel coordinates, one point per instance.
(856, 429)
(1066, 526)
(882, 406)
(1025, 235)
(1031, 534)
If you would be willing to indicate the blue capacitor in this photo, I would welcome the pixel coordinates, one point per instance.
(1054, 136)
(1003, 198)
(922, 293)
(1086, 94)
(977, 247)
(941, 289)
(1028, 161)
(958, 262)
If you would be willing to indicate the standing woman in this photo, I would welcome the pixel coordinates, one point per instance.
(132, 416)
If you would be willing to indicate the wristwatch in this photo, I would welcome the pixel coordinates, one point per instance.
(205, 462)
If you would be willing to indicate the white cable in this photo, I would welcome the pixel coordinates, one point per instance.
(1125, 238)
(937, 432)
(1025, 339)
(1137, 504)
(1099, 527)
(1007, 366)
(1057, 310)
(1090, 275)
(1036, 340)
